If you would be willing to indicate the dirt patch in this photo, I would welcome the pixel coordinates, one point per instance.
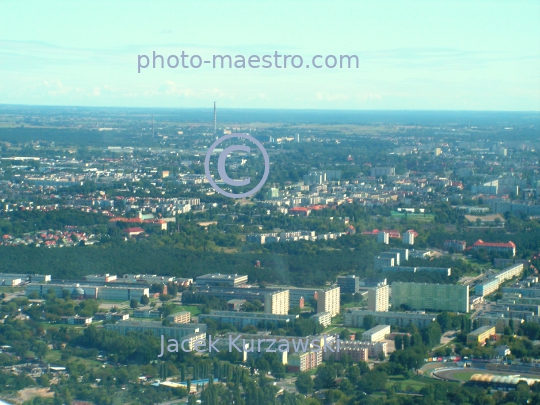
(29, 393)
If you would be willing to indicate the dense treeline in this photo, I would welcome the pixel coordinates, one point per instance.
(74, 263)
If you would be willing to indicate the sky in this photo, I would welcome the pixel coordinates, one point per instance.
(413, 54)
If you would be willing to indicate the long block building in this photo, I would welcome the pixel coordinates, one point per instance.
(355, 318)
(435, 297)
(81, 291)
(241, 319)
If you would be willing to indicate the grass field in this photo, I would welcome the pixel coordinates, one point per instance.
(417, 217)
(403, 384)
(53, 357)
(464, 375)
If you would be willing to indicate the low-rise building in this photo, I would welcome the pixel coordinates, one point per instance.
(481, 334)
(376, 334)
(323, 318)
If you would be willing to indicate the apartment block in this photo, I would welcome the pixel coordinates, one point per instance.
(179, 317)
(352, 347)
(435, 297)
(329, 301)
(277, 302)
(487, 287)
(323, 318)
(299, 362)
(241, 319)
(378, 298)
(355, 318)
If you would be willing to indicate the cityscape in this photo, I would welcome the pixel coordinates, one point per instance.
(410, 256)
(270, 202)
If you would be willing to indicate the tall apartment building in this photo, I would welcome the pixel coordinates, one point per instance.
(355, 318)
(277, 302)
(436, 297)
(378, 298)
(329, 301)
(408, 238)
(383, 237)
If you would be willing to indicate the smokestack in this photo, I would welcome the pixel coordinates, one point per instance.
(215, 121)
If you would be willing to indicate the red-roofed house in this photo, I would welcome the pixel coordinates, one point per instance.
(501, 247)
(134, 231)
(300, 211)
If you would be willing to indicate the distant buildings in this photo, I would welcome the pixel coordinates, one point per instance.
(329, 301)
(11, 279)
(435, 297)
(382, 171)
(492, 284)
(378, 298)
(457, 245)
(217, 279)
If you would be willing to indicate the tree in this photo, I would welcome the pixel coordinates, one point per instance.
(368, 322)
(133, 304)
(145, 300)
(398, 342)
